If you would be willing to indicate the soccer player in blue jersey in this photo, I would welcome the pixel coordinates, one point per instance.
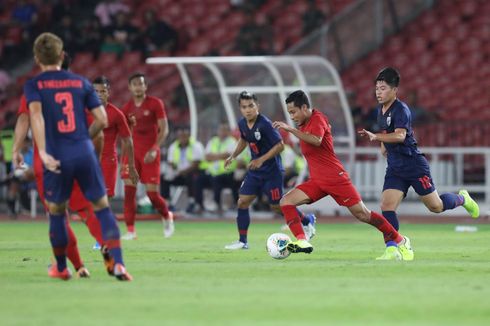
(265, 172)
(407, 166)
(56, 100)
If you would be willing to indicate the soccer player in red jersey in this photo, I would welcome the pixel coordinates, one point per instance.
(328, 177)
(148, 120)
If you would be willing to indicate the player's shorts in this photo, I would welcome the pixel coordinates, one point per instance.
(270, 185)
(341, 190)
(149, 173)
(85, 170)
(416, 175)
(109, 170)
(77, 200)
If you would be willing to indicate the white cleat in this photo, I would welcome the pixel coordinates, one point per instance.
(237, 245)
(130, 236)
(168, 226)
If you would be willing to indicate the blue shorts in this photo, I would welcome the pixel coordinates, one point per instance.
(85, 169)
(415, 174)
(270, 185)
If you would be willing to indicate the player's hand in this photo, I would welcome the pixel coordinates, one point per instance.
(228, 162)
(281, 125)
(133, 174)
(367, 133)
(17, 159)
(50, 162)
(150, 156)
(255, 164)
(132, 120)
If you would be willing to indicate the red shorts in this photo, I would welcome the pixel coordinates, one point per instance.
(77, 200)
(149, 172)
(342, 191)
(109, 170)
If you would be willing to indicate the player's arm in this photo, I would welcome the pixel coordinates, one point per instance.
(306, 137)
(240, 146)
(100, 121)
(275, 150)
(383, 150)
(98, 141)
(151, 155)
(398, 136)
(20, 134)
(37, 125)
(128, 151)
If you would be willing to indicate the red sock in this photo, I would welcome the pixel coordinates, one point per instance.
(294, 221)
(129, 206)
(72, 249)
(92, 223)
(159, 203)
(389, 232)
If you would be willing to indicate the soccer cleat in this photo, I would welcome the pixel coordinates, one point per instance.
(168, 225)
(470, 204)
(237, 245)
(310, 229)
(121, 274)
(391, 253)
(108, 260)
(53, 272)
(300, 246)
(96, 246)
(83, 272)
(130, 236)
(405, 249)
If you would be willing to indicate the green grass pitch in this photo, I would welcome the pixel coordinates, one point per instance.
(191, 280)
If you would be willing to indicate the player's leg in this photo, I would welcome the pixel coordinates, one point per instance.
(161, 206)
(394, 190)
(130, 199)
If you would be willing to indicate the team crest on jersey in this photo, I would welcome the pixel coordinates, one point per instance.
(257, 135)
(146, 112)
(388, 120)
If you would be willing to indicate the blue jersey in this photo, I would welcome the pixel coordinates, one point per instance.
(64, 97)
(398, 116)
(261, 138)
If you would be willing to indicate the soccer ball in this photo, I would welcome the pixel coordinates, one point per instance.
(277, 245)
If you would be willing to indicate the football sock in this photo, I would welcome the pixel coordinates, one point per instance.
(243, 222)
(389, 232)
(93, 224)
(304, 220)
(391, 217)
(159, 203)
(72, 252)
(129, 206)
(451, 201)
(294, 221)
(110, 233)
(59, 239)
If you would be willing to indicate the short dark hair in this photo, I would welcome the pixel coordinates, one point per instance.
(389, 75)
(103, 80)
(246, 95)
(298, 98)
(136, 75)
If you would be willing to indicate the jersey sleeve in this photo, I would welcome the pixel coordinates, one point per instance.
(401, 118)
(122, 125)
(31, 92)
(23, 109)
(272, 133)
(91, 100)
(159, 109)
(319, 127)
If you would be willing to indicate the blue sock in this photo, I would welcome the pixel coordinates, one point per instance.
(243, 222)
(390, 216)
(58, 237)
(391, 244)
(110, 233)
(451, 201)
(304, 219)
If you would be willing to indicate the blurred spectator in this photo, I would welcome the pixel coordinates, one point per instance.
(60, 9)
(91, 36)
(24, 13)
(355, 110)
(159, 34)
(419, 114)
(255, 36)
(184, 157)
(5, 82)
(108, 9)
(313, 18)
(121, 36)
(67, 31)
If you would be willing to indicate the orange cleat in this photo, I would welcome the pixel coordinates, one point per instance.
(53, 272)
(83, 272)
(108, 260)
(121, 274)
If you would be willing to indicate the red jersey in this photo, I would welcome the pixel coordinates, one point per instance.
(323, 164)
(117, 127)
(145, 131)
